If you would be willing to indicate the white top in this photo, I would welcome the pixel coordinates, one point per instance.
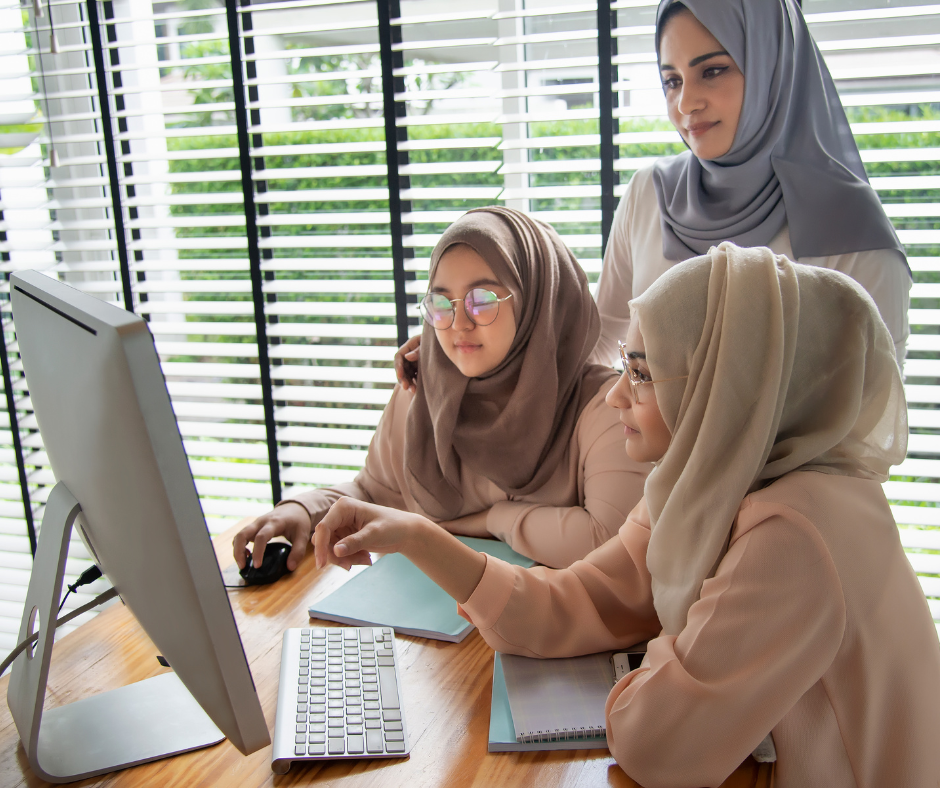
(634, 260)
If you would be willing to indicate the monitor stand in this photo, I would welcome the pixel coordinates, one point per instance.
(141, 722)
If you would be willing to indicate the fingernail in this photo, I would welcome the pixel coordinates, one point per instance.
(340, 550)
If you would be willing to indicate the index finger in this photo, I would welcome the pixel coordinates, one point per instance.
(341, 514)
(241, 540)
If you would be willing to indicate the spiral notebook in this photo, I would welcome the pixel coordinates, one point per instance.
(549, 704)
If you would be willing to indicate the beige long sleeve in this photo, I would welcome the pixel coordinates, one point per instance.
(814, 628)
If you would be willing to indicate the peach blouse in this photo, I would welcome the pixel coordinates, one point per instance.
(580, 508)
(814, 627)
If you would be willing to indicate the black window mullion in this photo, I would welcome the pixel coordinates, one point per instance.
(607, 100)
(107, 130)
(388, 35)
(14, 422)
(254, 251)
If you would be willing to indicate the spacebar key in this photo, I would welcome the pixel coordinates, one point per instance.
(389, 688)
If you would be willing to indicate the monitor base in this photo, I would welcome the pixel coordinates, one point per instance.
(141, 722)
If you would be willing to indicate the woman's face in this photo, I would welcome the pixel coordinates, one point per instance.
(703, 86)
(648, 437)
(475, 350)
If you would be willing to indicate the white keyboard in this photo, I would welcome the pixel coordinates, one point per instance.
(339, 697)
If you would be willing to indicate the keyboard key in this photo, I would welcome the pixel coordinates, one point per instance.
(394, 736)
(374, 741)
(302, 718)
(299, 749)
(388, 716)
(302, 728)
(388, 686)
(372, 724)
(315, 749)
(373, 696)
(395, 746)
(300, 738)
(355, 745)
(336, 713)
(317, 727)
(317, 738)
(385, 662)
(365, 635)
(353, 730)
(317, 718)
(371, 705)
(336, 722)
(318, 708)
(336, 704)
(373, 715)
(393, 726)
(353, 719)
(334, 732)
(337, 746)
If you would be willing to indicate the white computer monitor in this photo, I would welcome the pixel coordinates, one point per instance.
(108, 427)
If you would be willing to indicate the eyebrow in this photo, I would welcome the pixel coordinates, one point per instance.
(696, 60)
(478, 283)
(636, 354)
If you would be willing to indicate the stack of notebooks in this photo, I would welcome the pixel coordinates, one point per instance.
(538, 704)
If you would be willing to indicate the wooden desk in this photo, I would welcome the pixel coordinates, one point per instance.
(446, 690)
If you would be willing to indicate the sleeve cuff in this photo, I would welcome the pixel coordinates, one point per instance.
(490, 597)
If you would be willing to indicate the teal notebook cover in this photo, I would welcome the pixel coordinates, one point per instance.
(393, 592)
(503, 732)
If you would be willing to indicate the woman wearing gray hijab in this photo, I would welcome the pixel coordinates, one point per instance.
(771, 162)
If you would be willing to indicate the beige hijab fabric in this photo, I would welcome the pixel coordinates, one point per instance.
(790, 367)
(514, 424)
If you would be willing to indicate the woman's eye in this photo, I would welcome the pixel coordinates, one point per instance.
(639, 375)
(671, 83)
(714, 71)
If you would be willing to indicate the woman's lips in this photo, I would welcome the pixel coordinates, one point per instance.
(466, 347)
(628, 431)
(698, 129)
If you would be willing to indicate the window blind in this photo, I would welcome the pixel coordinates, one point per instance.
(264, 182)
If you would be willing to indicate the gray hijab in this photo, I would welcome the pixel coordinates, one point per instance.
(793, 160)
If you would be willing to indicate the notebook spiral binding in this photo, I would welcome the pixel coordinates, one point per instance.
(563, 734)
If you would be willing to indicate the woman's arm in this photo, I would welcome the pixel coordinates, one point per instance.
(614, 288)
(766, 628)
(604, 602)
(887, 280)
(610, 484)
(354, 529)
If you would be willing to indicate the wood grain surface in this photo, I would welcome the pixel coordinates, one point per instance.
(446, 691)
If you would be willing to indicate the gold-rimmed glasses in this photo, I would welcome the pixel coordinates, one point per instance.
(636, 377)
(480, 304)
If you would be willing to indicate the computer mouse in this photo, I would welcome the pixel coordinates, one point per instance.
(273, 565)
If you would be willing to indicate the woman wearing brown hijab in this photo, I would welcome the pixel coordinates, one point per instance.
(507, 433)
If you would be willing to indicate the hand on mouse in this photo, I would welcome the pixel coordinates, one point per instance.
(289, 520)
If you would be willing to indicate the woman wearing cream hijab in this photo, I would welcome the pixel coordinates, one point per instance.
(507, 434)
(763, 562)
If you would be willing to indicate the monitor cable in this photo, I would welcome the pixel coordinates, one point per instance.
(98, 600)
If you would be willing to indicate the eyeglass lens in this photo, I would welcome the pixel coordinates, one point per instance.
(481, 306)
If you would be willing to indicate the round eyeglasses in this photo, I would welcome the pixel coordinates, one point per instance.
(481, 306)
(636, 377)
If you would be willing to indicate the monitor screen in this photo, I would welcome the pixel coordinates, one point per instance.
(108, 427)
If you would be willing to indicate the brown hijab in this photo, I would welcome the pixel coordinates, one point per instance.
(513, 424)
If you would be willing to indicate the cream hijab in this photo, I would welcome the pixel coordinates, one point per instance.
(513, 425)
(789, 368)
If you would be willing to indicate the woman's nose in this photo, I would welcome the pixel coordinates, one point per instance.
(690, 99)
(620, 396)
(461, 321)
